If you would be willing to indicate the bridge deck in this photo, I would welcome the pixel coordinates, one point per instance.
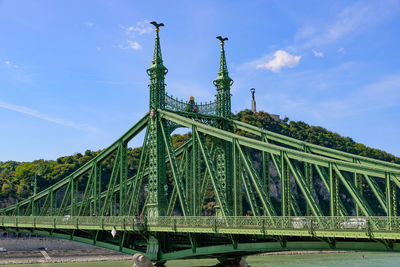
(335, 227)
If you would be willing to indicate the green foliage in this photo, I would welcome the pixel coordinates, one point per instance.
(312, 134)
(16, 178)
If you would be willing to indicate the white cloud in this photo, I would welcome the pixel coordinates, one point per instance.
(89, 23)
(37, 114)
(341, 50)
(9, 64)
(318, 54)
(130, 45)
(134, 45)
(281, 59)
(98, 48)
(141, 27)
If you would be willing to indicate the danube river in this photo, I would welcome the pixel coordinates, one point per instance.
(306, 260)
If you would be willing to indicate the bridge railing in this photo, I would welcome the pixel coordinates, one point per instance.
(213, 222)
(179, 105)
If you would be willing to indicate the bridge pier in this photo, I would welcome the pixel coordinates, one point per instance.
(232, 262)
(140, 260)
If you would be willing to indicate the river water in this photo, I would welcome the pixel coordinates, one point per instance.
(327, 259)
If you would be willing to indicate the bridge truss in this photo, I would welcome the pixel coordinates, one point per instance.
(193, 199)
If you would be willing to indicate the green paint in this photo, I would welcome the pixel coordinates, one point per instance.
(217, 158)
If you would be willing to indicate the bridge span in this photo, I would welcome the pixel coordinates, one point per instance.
(210, 196)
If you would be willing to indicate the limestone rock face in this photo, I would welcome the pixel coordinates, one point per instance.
(140, 260)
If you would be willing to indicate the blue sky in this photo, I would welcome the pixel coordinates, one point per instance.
(73, 72)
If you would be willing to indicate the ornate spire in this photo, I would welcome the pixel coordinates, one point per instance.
(157, 72)
(157, 61)
(223, 83)
(223, 68)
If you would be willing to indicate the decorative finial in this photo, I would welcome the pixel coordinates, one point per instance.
(222, 39)
(157, 25)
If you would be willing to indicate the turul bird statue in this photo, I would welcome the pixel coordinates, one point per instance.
(157, 25)
(222, 39)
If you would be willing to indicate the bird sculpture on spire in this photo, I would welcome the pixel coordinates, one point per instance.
(222, 39)
(157, 25)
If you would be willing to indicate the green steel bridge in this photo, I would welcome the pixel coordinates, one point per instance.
(218, 169)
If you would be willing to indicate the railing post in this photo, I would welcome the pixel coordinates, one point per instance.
(263, 225)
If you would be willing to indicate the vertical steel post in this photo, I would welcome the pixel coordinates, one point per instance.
(94, 210)
(334, 192)
(72, 182)
(237, 188)
(265, 169)
(51, 202)
(194, 201)
(34, 204)
(389, 198)
(358, 184)
(285, 186)
(123, 175)
(188, 176)
(308, 169)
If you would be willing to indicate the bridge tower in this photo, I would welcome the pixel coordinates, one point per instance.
(156, 197)
(224, 156)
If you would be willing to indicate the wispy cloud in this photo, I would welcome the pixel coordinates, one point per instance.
(321, 107)
(16, 72)
(280, 60)
(130, 45)
(132, 32)
(89, 23)
(43, 116)
(9, 64)
(140, 28)
(382, 94)
(315, 35)
(348, 21)
(318, 54)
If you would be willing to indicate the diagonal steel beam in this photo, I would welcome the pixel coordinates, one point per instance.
(212, 173)
(266, 202)
(307, 193)
(250, 194)
(354, 193)
(175, 170)
(275, 149)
